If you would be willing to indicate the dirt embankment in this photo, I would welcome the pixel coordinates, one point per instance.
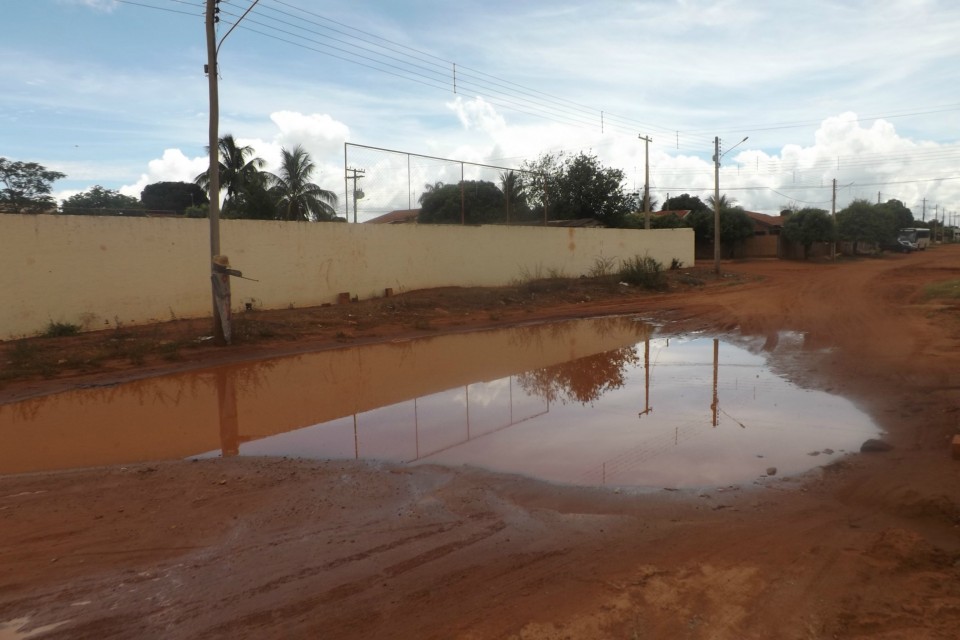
(868, 547)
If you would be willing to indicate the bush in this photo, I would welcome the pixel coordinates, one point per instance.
(644, 272)
(60, 329)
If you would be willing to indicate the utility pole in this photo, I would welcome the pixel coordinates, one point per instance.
(833, 213)
(213, 174)
(924, 218)
(357, 175)
(219, 271)
(646, 181)
(716, 198)
(716, 205)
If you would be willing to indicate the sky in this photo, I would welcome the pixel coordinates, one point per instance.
(864, 92)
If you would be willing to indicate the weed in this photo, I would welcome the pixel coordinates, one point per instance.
(423, 324)
(602, 267)
(60, 329)
(675, 264)
(947, 289)
(644, 272)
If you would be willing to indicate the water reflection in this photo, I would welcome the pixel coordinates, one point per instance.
(567, 402)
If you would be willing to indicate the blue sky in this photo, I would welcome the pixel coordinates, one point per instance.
(864, 92)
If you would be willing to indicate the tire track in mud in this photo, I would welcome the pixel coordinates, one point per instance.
(336, 594)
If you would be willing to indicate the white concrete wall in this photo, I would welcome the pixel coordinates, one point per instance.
(98, 271)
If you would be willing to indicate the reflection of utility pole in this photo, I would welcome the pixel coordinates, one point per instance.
(646, 369)
(227, 410)
(715, 405)
(357, 194)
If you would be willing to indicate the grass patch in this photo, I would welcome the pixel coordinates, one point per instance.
(949, 289)
(644, 271)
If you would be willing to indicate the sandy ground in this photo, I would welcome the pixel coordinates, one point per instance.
(866, 547)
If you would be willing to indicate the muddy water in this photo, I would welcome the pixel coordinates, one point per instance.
(593, 402)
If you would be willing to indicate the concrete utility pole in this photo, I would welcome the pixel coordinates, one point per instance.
(833, 213)
(213, 172)
(646, 181)
(716, 198)
(218, 267)
(357, 175)
(716, 205)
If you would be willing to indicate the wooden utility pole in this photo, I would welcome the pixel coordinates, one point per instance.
(646, 181)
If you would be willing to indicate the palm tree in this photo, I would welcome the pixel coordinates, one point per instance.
(430, 188)
(239, 171)
(297, 197)
(725, 202)
(514, 195)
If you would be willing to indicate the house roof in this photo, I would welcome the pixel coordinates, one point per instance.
(400, 216)
(764, 221)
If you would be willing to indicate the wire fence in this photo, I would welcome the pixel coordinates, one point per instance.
(397, 186)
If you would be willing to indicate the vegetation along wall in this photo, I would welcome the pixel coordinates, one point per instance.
(98, 272)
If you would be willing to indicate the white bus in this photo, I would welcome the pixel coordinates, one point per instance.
(919, 236)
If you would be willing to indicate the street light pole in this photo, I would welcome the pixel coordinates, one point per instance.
(220, 334)
(213, 172)
(716, 198)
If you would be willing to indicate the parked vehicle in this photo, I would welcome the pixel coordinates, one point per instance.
(919, 237)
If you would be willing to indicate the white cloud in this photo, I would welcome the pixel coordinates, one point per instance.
(173, 166)
(98, 5)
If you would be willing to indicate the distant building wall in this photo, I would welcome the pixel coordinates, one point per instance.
(761, 247)
(99, 271)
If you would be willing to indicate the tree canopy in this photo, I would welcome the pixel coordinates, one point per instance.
(483, 203)
(242, 178)
(862, 221)
(807, 226)
(578, 187)
(102, 202)
(296, 197)
(26, 186)
(172, 196)
(684, 202)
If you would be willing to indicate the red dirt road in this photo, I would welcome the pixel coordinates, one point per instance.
(866, 547)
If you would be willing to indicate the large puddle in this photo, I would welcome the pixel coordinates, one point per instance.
(588, 402)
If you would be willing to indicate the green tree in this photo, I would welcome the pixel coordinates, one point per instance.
(900, 216)
(297, 198)
(240, 174)
(667, 221)
(862, 221)
(514, 196)
(103, 202)
(685, 202)
(587, 189)
(735, 226)
(26, 186)
(482, 204)
(577, 187)
(808, 226)
(172, 196)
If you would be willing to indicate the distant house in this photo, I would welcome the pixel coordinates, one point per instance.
(400, 216)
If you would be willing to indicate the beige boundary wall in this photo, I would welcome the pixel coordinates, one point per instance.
(99, 271)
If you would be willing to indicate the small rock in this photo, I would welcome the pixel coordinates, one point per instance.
(875, 446)
(771, 471)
